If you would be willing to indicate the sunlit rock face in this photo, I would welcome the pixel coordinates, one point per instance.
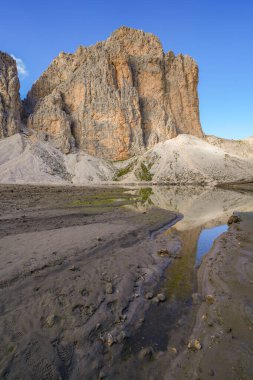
(9, 96)
(116, 98)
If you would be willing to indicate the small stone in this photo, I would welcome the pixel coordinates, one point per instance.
(173, 349)
(163, 252)
(146, 353)
(98, 325)
(73, 268)
(109, 288)
(121, 336)
(161, 297)
(50, 321)
(123, 318)
(149, 295)
(102, 375)
(209, 299)
(99, 238)
(109, 339)
(194, 345)
(233, 219)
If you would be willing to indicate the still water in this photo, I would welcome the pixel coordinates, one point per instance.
(206, 239)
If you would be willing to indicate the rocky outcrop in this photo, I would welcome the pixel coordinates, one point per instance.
(116, 98)
(9, 96)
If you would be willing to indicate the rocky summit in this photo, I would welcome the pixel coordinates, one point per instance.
(116, 98)
(10, 106)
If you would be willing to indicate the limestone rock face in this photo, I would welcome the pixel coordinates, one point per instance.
(116, 98)
(10, 105)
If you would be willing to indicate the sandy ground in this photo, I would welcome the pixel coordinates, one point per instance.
(80, 273)
(72, 279)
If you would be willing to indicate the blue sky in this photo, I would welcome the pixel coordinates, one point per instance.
(217, 34)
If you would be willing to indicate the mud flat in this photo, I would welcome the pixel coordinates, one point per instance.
(101, 283)
(75, 265)
(221, 341)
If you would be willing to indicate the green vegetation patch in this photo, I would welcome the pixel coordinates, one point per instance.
(143, 173)
(121, 172)
(145, 193)
(10, 348)
(110, 197)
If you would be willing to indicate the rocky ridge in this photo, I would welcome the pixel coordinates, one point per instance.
(116, 98)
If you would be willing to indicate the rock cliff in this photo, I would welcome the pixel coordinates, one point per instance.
(116, 98)
(10, 105)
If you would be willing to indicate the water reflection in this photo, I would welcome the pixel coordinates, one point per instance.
(201, 207)
(206, 239)
(205, 211)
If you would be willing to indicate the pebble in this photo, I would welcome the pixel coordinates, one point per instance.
(163, 252)
(146, 353)
(123, 318)
(73, 268)
(234, 219)
(109, 288)
(161, 297)
(210, 299)
(194, 345)
(110, 339)
(173, 349)
(50, 321)
(102, 375)
(121, 336)
(149, 295)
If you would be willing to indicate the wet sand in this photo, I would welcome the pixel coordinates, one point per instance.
(224, 321)
(80, 274)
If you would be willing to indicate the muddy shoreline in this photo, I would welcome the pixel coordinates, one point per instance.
(224, 320)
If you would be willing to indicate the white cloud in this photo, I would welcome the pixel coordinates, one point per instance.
(20, 66)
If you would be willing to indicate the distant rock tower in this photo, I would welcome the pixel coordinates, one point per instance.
(10, 106)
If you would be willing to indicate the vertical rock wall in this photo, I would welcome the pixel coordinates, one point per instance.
(9, 96)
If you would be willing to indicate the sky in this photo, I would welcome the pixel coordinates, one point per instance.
(217, 34)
